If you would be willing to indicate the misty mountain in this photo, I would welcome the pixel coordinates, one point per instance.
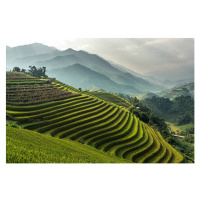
(80, 76)
(186, 74)
(26, 50)
(146, 95)
(124, 69)
(59, 61)
(52, 58)
(180, 90)
(189, 86)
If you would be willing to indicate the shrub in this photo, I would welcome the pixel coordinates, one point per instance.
(14, 125)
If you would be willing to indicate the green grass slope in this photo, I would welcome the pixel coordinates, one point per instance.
(25, 146)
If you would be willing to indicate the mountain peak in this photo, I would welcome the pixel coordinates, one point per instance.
(70, 50)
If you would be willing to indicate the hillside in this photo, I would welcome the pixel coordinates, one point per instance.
(124, 69)
(109, 97)
(80, 76)
(91, 121)
(179, 110)
(146, 95)
(177, 92)
(180, 90)
(17, 75)
(188, 86)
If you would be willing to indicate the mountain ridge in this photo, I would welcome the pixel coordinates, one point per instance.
(80, 76)
(58, 59)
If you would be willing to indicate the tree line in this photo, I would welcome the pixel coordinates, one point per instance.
(33, 71)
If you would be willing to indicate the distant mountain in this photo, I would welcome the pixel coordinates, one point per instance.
(28, 50)
(59, 61)
(98, 64)
(172, 74)
(124, 69)
(146, 95)
(189, 86)
(177, 92)
(52, 58)
(181, 89)
(80, 76)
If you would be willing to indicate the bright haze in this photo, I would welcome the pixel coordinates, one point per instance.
(171, 59)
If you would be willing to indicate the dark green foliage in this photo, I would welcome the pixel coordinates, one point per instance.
(179, 111)
(144, 117)
(189, 138)
(40, 72)
(23, 70)
(16, 69)
(12, 124)
(185, 146)
(147, 115)
(33, 71)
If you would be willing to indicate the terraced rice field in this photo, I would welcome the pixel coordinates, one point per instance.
(18, 75)
(23, 92)
(109, 97)
(95, 122)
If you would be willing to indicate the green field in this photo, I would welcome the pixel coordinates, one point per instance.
(96, 121)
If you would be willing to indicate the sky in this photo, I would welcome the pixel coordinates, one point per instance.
(142, 55)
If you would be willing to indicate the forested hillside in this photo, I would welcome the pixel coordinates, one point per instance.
(179, 111)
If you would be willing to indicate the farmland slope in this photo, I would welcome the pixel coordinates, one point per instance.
(86, 119)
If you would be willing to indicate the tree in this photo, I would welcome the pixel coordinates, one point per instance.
(40, 72)
(32, 71)
(135, 100)
(144, 117)
(23, 70)
(16, 69)
(43, 70)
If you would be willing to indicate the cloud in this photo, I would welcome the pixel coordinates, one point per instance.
(142, 55)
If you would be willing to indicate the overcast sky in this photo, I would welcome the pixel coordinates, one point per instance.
(140, 55)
